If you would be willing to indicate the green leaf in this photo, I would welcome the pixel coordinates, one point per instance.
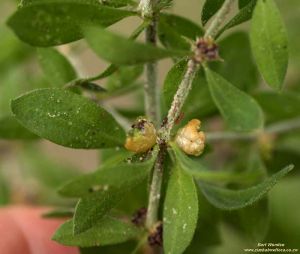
(240, 111)
(126, 247)
(103, 190)
(108, 231)
(180, 212)
(91, 87)
(173, 31)
(237, 61)
(119, 50)
(279, 106)
(173, 80)
(243, 15)
(67, 119)
(123, 78)
(198, 170)
(228, 199)
(285, 213)
(118, 3)
(57, 68)
(5, 193)
(243, 3)
(253, 221)
(170, 38)
(54, 22)
(182, 25)
(121, 176)
(269, 43)
(93, 207)
(208, 222)
(10, 128)
(210, 8)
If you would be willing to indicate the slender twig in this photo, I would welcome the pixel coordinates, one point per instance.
(120, 119)
(277, 128)
(215, 25)
(152, 108)
(151, 87)
(179, 99)
(155, 189)
(176, 107)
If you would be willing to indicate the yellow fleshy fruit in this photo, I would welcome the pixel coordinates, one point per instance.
(142, 137)
(190, 139)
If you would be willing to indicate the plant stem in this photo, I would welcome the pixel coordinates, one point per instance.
(212, 30)
(176, 107)
(152, 108)
(155, 189)
(151, 87)
(119, 118)
(179, 99)
(277, 128)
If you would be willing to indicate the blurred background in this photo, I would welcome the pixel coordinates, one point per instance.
(31, 170)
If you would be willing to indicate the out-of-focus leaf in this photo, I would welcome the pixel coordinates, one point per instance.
(117, 3)
(59, 213)
(55, 22)
(170, 38)
(208, 222)
(279, 106)
(124, 77)
(210, 8)
(228, 199)
(67, 119)
(119, 50)
(91, 87)
(126, 247)
(10, 88)
(12, 50)
(4, 191)
(238, 66)
(172, 29)
(172, 81)
(243, 3)
(200, 172)
(285, 207)
(108, 231)
(243, 15)
(180, 212)
(57, 68)
(240, 111)
(252, 221)
(44, 169)
(10, 128)
(269, 43)
(183, 26)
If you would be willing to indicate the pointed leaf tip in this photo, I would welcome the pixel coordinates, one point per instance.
(228, 199)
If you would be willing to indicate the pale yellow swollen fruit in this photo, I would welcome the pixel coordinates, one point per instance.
(190, 139)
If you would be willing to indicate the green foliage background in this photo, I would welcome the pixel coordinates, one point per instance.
(23, 181)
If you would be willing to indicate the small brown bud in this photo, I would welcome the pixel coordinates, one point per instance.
(190, 139)
(206, 50)
(155, 237)
(139, 217)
